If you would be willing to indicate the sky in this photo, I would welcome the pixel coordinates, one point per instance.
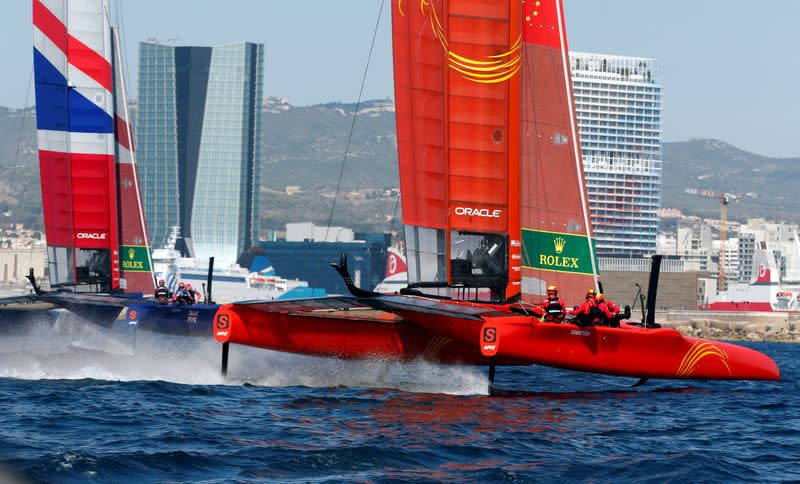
(730, 69)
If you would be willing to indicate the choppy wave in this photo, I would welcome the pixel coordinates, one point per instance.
(76, 350)
(83, 405)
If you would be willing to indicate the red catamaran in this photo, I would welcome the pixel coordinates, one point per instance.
(495, 209)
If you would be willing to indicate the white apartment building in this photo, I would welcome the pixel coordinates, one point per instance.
(618, 101)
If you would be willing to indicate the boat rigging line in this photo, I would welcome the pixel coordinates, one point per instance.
(16, 162)
(355, 114)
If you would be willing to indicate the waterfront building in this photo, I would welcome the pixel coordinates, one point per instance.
(199, 145)
(681, 285)
(618, 101)
(306, 256)
(747, 246)
(308, 232)
(728, 257)
(782, 238)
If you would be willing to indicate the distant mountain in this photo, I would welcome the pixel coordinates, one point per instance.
(20, 190)
(315, 138)
(765, 187)
(304, 146)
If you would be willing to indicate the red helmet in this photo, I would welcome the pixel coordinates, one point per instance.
(181, 284)
(188, 286)
(161, 282)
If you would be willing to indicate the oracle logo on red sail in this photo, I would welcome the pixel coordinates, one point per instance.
(478, 212)
(90, 236)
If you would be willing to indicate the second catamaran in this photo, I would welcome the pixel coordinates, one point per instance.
(495, 210)
(97, 239)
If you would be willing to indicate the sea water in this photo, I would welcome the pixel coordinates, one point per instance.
(78, 404)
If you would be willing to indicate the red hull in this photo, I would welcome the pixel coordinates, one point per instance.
(364, 333)
(353, 337)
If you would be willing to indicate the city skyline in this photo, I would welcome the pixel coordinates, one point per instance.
(716, 60)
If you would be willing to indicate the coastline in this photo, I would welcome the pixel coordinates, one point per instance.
(734, 326)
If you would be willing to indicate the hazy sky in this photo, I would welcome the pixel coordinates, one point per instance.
(730, 68)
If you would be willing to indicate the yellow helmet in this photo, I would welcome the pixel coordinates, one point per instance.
(600, 297)
(591, 293)
(552, 289)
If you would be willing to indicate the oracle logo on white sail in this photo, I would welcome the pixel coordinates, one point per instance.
(478, 212)
(90, 235)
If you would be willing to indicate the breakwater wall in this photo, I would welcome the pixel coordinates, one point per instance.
(734, 326)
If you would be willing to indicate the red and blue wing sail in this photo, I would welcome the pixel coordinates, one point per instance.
(75, 130)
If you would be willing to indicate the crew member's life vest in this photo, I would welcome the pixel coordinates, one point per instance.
(554, 307)
(161, 294)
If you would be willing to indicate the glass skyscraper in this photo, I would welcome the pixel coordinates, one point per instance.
(199, 145)
(618, 101)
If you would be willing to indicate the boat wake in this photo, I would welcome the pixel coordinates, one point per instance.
(72, 349)
(274, 369)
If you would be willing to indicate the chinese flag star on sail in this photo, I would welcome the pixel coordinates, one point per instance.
(540, 19)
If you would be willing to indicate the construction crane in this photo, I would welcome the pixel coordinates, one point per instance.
(723, 238)
(724, 199)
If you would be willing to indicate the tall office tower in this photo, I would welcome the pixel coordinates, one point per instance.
(199, 141)
(618, 102)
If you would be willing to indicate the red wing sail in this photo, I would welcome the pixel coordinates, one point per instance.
(556, 229)
(457, 96)
(134, 249)
(74, 117)
(419, 73)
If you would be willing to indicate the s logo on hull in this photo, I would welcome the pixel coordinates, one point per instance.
(490, 341)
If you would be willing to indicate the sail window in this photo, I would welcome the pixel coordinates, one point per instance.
(474, 256)
(426, 254)
(92, 266)
(60, 265)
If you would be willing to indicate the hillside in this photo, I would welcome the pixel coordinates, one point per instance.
(766, 187)
(315, 138)
(304, 146)
(20, 191)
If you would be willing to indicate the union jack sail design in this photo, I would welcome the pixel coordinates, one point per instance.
(74, 84)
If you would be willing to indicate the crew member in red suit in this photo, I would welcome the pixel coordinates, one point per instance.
(587, 313)
(193, 294)
(162, 293)
(181, 295)
(610, 310)
(553, 306)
